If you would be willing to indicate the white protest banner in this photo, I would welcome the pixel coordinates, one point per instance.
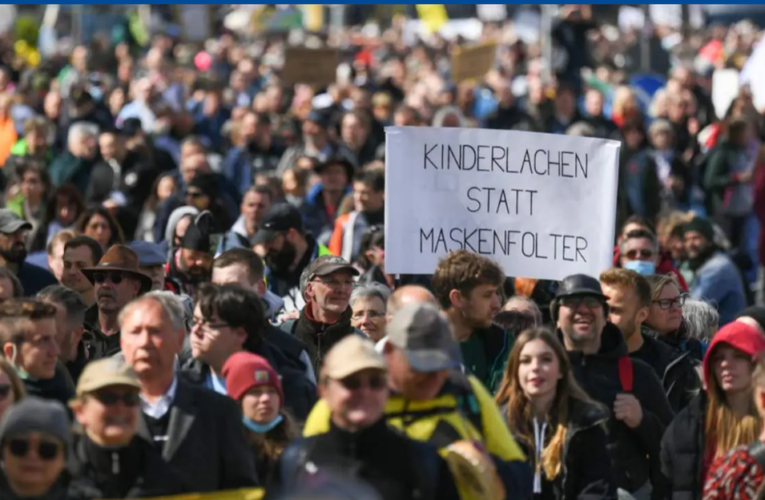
(543, 206)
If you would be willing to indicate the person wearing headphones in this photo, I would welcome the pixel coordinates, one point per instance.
(629, 387)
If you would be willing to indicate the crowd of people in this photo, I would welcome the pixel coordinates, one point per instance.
(194, 296)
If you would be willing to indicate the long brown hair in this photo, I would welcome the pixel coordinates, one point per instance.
(567, 392)
(273, 443)
(723, 429)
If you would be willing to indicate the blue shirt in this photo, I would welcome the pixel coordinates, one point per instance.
(216, 383)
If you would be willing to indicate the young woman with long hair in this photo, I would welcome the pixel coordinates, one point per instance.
(718, 419)
(559, 426)
(257, 387)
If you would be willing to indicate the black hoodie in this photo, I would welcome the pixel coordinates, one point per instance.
(634, 452)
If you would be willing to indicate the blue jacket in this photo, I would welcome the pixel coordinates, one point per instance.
(241, 164)
(718, 281)
(315, 217)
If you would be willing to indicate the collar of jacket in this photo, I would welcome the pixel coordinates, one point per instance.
(367, 439)
(611, 345)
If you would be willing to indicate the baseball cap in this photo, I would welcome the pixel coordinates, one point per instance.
(10, 222)
(106, 372)
(426, 338)
(278, 219)
(149, 253)
(352, 354)
(324, 266)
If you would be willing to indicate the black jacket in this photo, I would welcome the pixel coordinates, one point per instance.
(320, 337)
(586, 465)
(206, 441)
(682, 451)
(134, 471)
(397, 467)
(299, 392)
(675, 370)
(634, 452)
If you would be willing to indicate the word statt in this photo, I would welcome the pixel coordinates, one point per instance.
(541, 205)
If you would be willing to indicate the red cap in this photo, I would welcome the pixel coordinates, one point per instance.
(245, 370)
(738, 335)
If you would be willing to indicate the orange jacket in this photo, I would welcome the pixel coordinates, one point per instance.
(336, 240)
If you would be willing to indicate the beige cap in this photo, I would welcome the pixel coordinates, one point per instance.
(105, 373)
(351, 355)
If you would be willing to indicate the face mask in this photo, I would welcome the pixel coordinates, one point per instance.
(641, 267)
(262, 428)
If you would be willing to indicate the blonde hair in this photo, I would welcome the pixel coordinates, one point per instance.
(17, 386)
(722, 427)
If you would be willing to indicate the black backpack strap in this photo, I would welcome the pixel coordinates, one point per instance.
(757, 450)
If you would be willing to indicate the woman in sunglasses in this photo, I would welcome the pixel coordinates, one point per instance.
(108, 459)
(34, 436)
(665, 318)
(256, 386)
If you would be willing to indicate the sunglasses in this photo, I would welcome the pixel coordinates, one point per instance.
(46, 450)
(635, 254)
(110, 399)
(194, 194)
(355, 382)
(666, 304)
(101, 277)
(577, 300)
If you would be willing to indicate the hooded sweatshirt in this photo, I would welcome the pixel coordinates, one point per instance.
(172, 222)
(686, 456)
(634, 452)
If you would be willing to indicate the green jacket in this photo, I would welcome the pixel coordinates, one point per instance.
(485, 354)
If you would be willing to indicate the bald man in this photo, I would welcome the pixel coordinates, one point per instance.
(402, 297)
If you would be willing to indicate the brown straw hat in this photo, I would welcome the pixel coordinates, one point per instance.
(120, 258)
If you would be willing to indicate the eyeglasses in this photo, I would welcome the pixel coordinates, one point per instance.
(335, 283)
(577, 300)
(636, 254)
(5, 390)
(355, 382)
(203, 323)
(101, 277)
(194, 194)
(669, 303)
(110, 399)
(371, 314)
(46, 450)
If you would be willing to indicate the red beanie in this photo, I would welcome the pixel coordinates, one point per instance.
(245, 370)
(738, 335)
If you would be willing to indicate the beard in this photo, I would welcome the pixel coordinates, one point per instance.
(16, 254)
(281, 261)
(196, 275)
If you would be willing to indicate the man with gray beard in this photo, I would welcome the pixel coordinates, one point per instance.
(117, 279)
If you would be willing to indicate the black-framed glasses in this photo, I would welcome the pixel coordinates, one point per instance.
(102, 276)
(195, 194)
(46, 450)
(666, 304)
(574, 301)
(375, 382)
(203, 323)
(110, 399)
